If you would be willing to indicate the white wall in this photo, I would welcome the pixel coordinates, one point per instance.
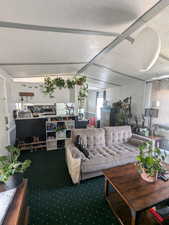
(60, 96)
(7, 111)
(136, 90)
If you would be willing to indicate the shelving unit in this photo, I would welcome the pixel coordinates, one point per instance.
(37, 145)
(58, 129)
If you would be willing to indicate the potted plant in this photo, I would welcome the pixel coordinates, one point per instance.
(80, 81)
(150, 162)
(70, 83)
(48, 87)
(11, 168)
(59, 82)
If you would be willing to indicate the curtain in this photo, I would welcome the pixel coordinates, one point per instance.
(160, 100)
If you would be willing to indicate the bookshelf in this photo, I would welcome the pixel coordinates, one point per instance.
(58, 130)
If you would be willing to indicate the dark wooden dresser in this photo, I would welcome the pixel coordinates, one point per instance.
(18, 211)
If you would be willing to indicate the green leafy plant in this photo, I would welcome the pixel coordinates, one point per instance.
(50, 85)
(10, 165)
(60, 128)
(80, 81)
(83, 92)
(59, 82)
(150, 159)
(70, 83)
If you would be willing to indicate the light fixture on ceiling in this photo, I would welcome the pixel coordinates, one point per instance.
(160, 77)
(146, 49)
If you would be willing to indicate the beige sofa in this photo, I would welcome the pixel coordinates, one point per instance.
(108, 147)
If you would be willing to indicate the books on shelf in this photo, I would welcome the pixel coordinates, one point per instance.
(58, 130)
(70, 124)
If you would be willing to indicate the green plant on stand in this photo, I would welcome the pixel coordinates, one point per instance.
(10, 164)
(150, 162)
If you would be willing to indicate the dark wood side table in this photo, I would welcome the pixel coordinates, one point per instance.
(132, 196)
(18, 211)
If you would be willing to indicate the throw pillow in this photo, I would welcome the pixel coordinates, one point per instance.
(84, 151)
(77, 141)
(81, 147)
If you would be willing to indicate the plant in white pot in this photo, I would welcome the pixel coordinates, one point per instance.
(150, 162)
(11, 168)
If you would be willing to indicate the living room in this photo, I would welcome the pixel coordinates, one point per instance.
(84, 89)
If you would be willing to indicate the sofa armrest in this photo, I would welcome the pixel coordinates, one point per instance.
(74, 150)
(73, 160)
(143, 138)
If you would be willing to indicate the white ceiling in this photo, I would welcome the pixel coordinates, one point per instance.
(108, 15)
(26, 46)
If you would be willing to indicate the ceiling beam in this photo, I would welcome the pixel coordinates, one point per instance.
(40, 63)
(106, 82)
(119, 73)
(159, 78)
(160, 5)
(22, 26)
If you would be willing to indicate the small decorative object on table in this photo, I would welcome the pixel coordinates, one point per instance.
(161, 213)
(11, 168)
(150, 162)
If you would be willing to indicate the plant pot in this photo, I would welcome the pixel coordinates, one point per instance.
(14, 181)
(147, 177)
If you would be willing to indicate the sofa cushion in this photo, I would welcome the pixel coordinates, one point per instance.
(117, 134)
(106, 157)
(76, 153)
(91, 137)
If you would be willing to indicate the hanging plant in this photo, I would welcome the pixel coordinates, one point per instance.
(83, 93)
(50, 85)
(59, 82)
(80, 81)
(70, 83)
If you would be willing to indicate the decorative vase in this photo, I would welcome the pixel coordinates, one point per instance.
(150, 179)
(14, 181)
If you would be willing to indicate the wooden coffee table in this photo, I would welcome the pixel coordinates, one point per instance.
(131, 196)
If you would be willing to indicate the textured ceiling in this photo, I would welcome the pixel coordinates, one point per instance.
(110, 15)
(26, 46)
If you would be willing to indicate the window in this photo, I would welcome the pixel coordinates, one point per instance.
(100, 100)
(160, 100)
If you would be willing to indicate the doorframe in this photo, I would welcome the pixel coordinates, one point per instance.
(6, 106)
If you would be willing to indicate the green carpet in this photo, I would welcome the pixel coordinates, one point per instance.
(54, 200)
